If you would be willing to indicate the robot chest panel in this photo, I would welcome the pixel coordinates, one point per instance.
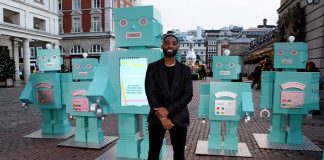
(291, 94)
(80, 102)
(78, 91)
(44, 93)
(225, 107)
(292, 99)
(47, 87)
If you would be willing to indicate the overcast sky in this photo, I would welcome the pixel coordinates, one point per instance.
(214, 14)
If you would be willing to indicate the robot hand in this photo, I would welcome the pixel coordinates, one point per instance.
(71, 117)
(96, 107)
(203, 120)
(247, 118)
(25, 106)
(264, 110)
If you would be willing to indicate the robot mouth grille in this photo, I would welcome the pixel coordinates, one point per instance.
(49, 64)
(130, 35)
(286, 61)
(224, 73)
(83, 73)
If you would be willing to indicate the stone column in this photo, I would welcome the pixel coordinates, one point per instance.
(16, 58)
(26, 59)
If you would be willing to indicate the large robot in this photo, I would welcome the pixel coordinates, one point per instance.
(224, 101)
(88, 121)
(289, 93)
(138, 31)
(45, 90)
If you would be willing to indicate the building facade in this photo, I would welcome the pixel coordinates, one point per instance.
(87, 26)
(218, 40)
(25, 27)
(197, 38)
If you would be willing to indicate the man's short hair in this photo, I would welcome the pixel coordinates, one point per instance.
(170, 35)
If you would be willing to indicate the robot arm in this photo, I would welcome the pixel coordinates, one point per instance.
(267, 80)
(203, 109)
(247, 102)
(66, 78)
(314, 95)
(27, 95)
(98, 90)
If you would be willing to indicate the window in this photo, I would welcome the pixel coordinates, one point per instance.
(77, 49)
(32, 52)
(59, 3)
(96, 49)
(62, 50)
(76, 24)
(60, 24)
(211, 49)
(96, 25)
(39, 24)
(10, 16)
(76, 4)
(95, 3)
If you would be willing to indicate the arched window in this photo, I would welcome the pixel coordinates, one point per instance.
(62, 50)
(96, 49)
(77, 49)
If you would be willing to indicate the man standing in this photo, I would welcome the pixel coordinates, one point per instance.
(168, 88)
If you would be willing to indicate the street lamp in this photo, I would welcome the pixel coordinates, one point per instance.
(312, 2)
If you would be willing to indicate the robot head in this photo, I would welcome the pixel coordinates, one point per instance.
(290, 55)
(83, 68)
(49, 60)
(226, 67)
(138, 26)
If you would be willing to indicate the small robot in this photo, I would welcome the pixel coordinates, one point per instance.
(46, 91)
(224, 101)
(88, 121)
(138, 33)
(288, 92)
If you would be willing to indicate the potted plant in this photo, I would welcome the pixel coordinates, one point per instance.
(7, 70)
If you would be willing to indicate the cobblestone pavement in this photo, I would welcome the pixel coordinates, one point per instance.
(16, 123)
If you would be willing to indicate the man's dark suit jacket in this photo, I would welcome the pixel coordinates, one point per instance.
(159, 94)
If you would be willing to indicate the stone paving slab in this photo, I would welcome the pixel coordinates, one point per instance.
(16, 123)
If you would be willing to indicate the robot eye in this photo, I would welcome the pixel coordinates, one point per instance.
(77, 66)
(123, 22)
(143, 21)
(88, 66)
(280, 52)
(219, 64)
(54, 56)
(294, 52)
(42, 58)
(231, 65)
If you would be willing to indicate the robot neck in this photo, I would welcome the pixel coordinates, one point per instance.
(225, 80)
(289, 70)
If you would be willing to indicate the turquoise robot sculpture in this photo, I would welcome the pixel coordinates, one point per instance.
(88, 121)
(138, 32)
(289, 93)
(226, 101)
(46, 91)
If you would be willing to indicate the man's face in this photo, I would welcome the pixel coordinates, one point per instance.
(170, 46)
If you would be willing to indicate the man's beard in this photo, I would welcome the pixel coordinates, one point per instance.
(169, 54)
